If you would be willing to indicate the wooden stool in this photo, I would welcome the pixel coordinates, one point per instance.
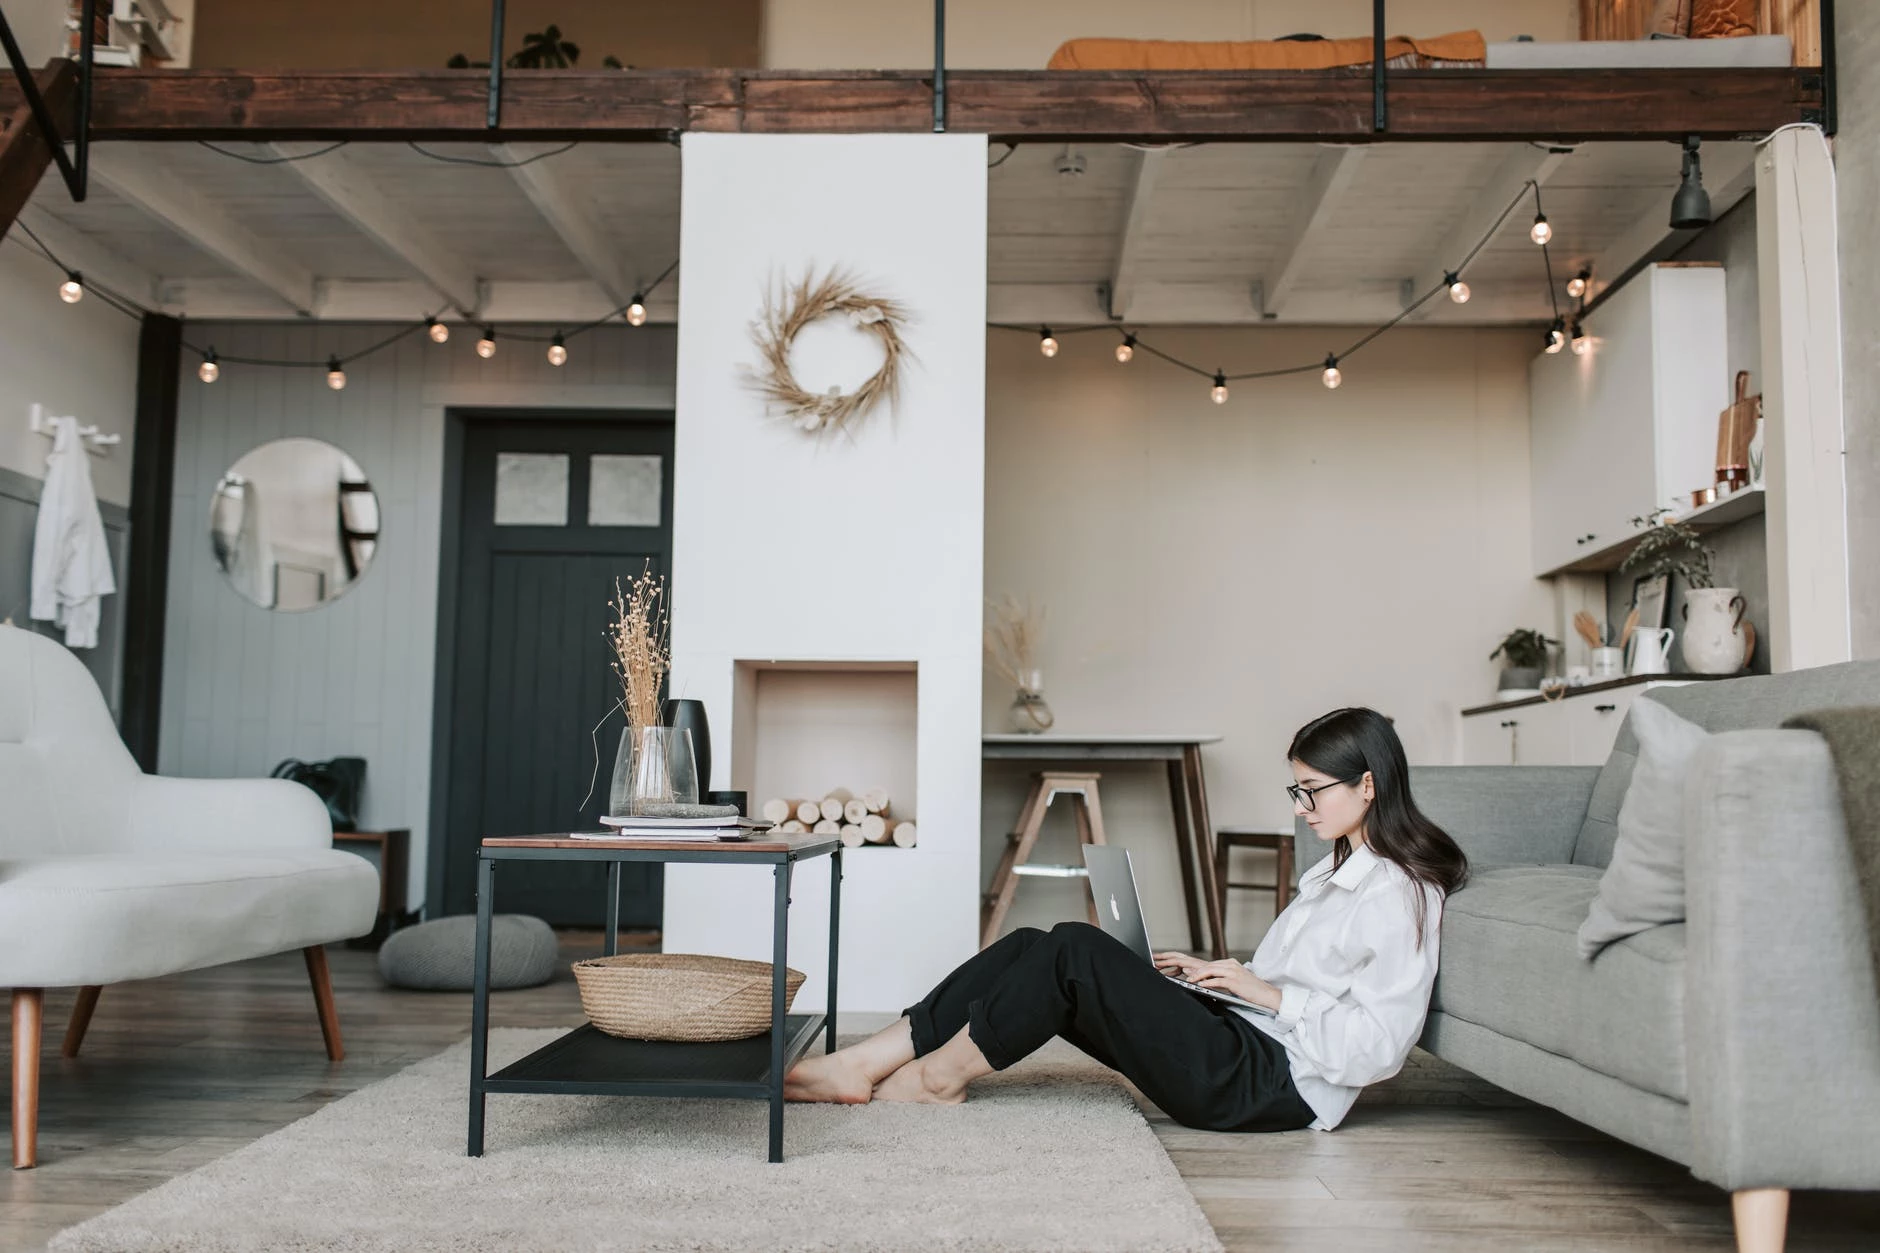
(1230, 838)
(1085, 808)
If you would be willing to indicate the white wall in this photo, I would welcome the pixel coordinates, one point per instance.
(997, 34)
(901, 511)
(79, 359)
(244, 687)
(39, 26)
(1240, 569)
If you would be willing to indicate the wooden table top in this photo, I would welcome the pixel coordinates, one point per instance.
(806, 844)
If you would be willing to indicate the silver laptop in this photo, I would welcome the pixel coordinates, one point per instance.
(1119, 913)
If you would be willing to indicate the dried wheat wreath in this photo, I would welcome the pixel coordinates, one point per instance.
(808, 300)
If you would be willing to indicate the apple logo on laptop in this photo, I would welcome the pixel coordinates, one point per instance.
(1114, 911)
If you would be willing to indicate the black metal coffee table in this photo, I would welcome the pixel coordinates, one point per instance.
(587, 1061)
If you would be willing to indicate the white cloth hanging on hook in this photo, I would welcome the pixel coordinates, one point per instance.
(71, 564)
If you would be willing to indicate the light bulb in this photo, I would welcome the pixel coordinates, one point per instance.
(1576, 286)
(1556, 337)
(209, 371)
(1458, 290)
(335, 374)
(1047, 345)
(72, 290)
(557, 351)
(1219, 394)
(1582, 342)
(486, 347)
(1333, 376)
(636, 311)
(440, 333)
(1126, 349)
(1540, 232)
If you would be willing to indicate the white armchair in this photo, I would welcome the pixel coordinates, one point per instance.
(109, 874)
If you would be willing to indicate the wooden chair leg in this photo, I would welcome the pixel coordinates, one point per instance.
(998, 898)
(323, 999)
(28, 1013)
(1283, 876)
(1762, 1219)
(81, 1018)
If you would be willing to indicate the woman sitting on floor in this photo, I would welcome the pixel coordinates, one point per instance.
(1346, 970)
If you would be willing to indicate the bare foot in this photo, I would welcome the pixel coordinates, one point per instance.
(911, 1083)
(831, 1077)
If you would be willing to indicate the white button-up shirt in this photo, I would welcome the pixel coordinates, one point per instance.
(1354, 986)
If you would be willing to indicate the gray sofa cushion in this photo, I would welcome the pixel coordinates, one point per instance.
(1511, 963)
(440, 955)
(1755, 702)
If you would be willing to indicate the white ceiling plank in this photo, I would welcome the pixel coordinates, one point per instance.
(92, 257)
(135, 176)
(1332, 176)
(1731, 175)
(578, 228)
(351, 192)
(1129, 266)
(506, 302)
(1524, 164)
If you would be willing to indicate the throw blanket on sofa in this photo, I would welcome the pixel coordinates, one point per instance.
(1464, 48)
(1853, 736)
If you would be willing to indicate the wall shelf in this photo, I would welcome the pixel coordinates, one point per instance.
(1747, 502)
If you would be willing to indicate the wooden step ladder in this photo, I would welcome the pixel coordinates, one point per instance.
(1086, 808)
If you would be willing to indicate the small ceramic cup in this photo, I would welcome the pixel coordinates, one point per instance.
(1608, 663)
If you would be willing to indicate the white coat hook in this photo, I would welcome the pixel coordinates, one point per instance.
(97, 442)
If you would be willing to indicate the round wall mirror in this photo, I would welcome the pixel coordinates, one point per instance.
(293, 524)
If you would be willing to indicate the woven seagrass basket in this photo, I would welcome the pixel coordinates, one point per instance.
(679, 996)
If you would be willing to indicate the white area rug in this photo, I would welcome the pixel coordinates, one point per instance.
(1052, 1154)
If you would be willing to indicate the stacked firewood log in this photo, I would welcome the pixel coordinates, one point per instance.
(858, 818)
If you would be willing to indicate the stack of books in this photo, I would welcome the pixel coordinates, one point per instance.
(700, 830)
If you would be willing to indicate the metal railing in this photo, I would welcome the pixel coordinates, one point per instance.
(75, 168)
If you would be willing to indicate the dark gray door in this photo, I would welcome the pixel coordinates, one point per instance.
(553, 512)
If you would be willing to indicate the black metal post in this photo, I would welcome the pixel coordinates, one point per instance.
(480, 1001)
(939, 66)
(88, 14)
(835, 924)
(779, 957)
(42, 114)
(610, 943)
(1830, 110)
(1379, 119)
(145, 586)
(494, 113)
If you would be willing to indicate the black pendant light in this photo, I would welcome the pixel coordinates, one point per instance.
(1690, 208)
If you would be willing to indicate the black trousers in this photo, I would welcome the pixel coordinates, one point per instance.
(1198, 1060)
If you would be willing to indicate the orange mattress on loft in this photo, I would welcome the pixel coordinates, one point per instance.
(1462, 49)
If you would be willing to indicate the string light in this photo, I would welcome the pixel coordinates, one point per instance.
(208, 371)
(1220, 388)
(1582, 344)
(558, 351)
(335, 374)
(439, 333)
(1540, 232)
(72, 290)
(1556, 336)
(1047, 345)
(636, 310)
(486, 347)
(1126, 349)
(1458, 290)
(1333, 376)
(1576, 286)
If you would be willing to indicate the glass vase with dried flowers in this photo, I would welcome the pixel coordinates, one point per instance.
(654, 770)
(1012, 638)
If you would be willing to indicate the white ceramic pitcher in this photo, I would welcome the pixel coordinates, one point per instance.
(1651, 651)
(1716, 639)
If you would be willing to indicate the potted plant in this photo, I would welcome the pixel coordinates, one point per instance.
(1526, 653)
(1716, 639)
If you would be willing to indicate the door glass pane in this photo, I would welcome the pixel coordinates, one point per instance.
(531, 489)
(624, 490)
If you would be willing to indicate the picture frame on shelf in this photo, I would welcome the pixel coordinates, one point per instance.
(1649, 594)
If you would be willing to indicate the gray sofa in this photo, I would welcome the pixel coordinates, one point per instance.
(1743, 1042)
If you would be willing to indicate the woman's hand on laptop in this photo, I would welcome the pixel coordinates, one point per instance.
(1224, 976)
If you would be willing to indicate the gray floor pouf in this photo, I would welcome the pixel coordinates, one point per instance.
(440, 955)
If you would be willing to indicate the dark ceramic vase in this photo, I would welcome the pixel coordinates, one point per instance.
(689, 715)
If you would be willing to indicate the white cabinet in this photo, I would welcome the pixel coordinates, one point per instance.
(1576, 730)
(1632, 424)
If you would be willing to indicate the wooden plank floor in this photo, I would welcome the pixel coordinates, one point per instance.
(177, 1072)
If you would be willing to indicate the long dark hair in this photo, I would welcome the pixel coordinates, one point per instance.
(1346, 743)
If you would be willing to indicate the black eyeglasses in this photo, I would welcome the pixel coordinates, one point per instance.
(1308, 796)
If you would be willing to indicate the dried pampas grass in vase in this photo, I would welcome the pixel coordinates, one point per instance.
(645, 769)
(1012, 636)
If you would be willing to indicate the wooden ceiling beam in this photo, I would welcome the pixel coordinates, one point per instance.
(24, 151)
(1016, 106)
(93, 258)
(1524, 165)
(1332, 176)
(139, 179)
(1127, 272)
(580, 231)
(351, 192)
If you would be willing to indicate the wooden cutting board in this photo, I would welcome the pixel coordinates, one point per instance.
(1736, 426)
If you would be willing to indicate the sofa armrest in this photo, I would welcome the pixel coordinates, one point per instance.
(233, 815)
(1782, 1023)
(1500, 815)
